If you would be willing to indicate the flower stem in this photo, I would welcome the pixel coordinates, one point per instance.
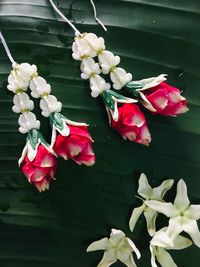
(6, 48)
(65, 19)
(95, 15)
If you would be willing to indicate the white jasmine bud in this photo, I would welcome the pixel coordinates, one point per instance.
(107, 61)
(28, 121)
(50, 104)
(22, 103)
(98, 85)
(39, 87)
(119, 78)
(89, 68)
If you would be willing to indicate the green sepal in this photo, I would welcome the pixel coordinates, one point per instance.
(108, 100)
(133, 86)
(34, 137)
(57, 120)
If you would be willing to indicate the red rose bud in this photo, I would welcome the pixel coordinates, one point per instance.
(41, 170)
(131, 124)
(76, 146)
(165, 100)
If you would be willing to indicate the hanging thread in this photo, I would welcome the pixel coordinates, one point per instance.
(65, 19)
(6, 48)
(95, 15)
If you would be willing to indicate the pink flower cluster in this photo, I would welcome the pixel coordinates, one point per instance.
(161, 99)
(40, 169)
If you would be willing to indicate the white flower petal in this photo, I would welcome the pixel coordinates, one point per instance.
(166, 208)
(191, 227)
(133, 247)
(144, 189)
(150, 216)
(153, 258)
(181, 201)
(116, 236)
(161, 239)
(193, 212)
(108, 259)
(165, 259)
(181, 242)
(101, 244)
(175, 227)
(127, 259)
(159, 191)
(146, 103)
(135, 216)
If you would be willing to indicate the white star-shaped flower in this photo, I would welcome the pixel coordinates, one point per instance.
(149, 193)
(162, 242)
(117, 247)
(183, 215)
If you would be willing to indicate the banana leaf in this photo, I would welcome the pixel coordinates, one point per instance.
(151, 37)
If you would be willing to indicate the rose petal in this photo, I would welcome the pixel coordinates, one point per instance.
(159, 99)
(144, 136)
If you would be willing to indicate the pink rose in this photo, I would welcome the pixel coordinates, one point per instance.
(132, 124)
(165, 100)
(76, 146)
(41, 170)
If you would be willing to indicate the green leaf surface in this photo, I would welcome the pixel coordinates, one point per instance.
(152, 37)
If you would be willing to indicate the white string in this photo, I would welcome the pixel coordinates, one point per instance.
(65, 19)
(6, 48)
(95, 15)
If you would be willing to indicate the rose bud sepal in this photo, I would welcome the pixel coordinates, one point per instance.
(111, 100)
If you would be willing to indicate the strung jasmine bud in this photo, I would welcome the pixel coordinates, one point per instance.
(120, 78)
(39, 87)
(28, 121)
(49, 104)
(117, 247)
(108, 61)
(98, 85)
(25, 70)
(149, 193)
(22, 103)
(87, 45)
(81, 49)
(89, 68)
(16, 84)
(20, 76)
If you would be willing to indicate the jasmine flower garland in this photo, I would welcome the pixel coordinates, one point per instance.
(96, 62)
(38, 160)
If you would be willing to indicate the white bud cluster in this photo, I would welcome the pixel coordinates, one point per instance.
(28, 121)
(41, 89)
(21, 77)
(87, 46)
(18, 82)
